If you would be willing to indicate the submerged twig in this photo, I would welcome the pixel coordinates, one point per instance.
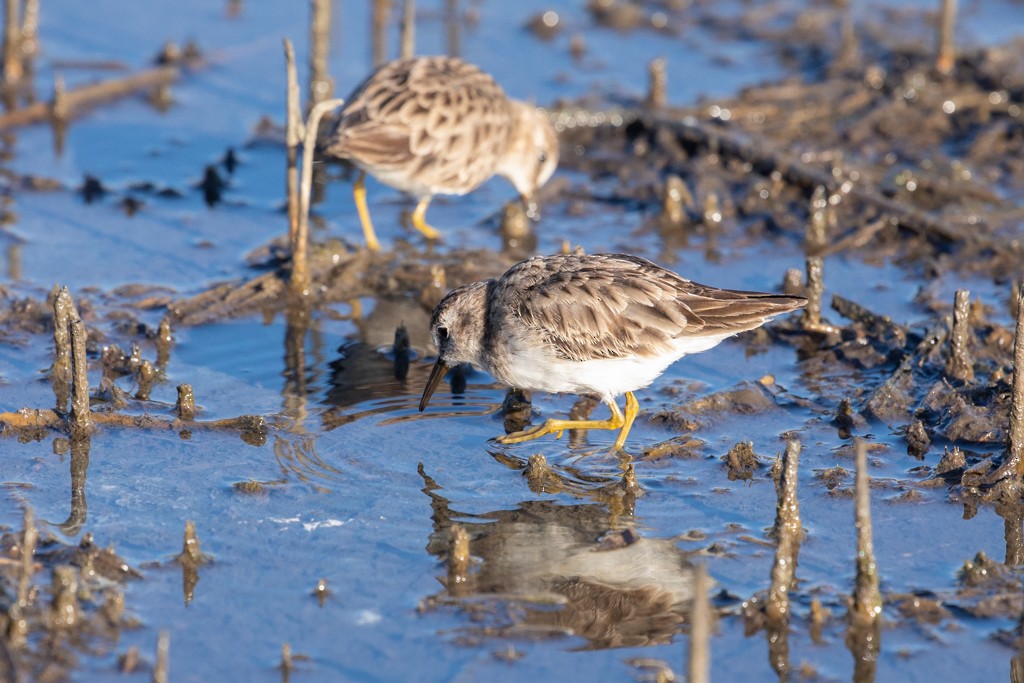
(78, 99)
(28, 419)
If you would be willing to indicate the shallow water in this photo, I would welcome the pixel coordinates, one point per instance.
(359, 484)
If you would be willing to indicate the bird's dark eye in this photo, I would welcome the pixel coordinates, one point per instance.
(542, 157)
(442, 334)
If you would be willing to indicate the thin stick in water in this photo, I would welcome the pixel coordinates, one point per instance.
(293, 136)
(300, 271)
(381, 13)
(63, 313)
(867, 598)
(788, 532)
(959, 364)
(320, 84)
(657, 83)
(81, 418)
(1016, 454)
(13, 67)
(815, 287)
(945, 58)
(408, 43)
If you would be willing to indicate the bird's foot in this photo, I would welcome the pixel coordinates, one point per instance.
(419, 222)
(533, 433)
(557, 427)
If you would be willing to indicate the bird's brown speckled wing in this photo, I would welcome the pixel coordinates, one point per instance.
(615, 305)
(438, 121)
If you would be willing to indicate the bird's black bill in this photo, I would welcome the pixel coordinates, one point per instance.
(436, 375)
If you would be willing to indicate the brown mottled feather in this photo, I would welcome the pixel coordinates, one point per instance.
(615, 305)
(428, 124)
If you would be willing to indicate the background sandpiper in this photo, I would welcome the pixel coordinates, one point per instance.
(437, 125)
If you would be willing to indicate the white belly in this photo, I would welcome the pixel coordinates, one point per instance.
(537, 369)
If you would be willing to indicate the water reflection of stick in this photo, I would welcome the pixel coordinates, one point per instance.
(78, 99)
(80, 446)
(699, 664)
(18, 625)
(458, 561)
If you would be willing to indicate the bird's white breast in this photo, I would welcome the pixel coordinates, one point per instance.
(537, 368)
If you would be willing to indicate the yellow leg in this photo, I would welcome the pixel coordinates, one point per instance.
(632, 408)
(359, 194)
(556, 427)
(419, 220)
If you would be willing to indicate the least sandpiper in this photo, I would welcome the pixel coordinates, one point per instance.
(437, 125)
(604, 324)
